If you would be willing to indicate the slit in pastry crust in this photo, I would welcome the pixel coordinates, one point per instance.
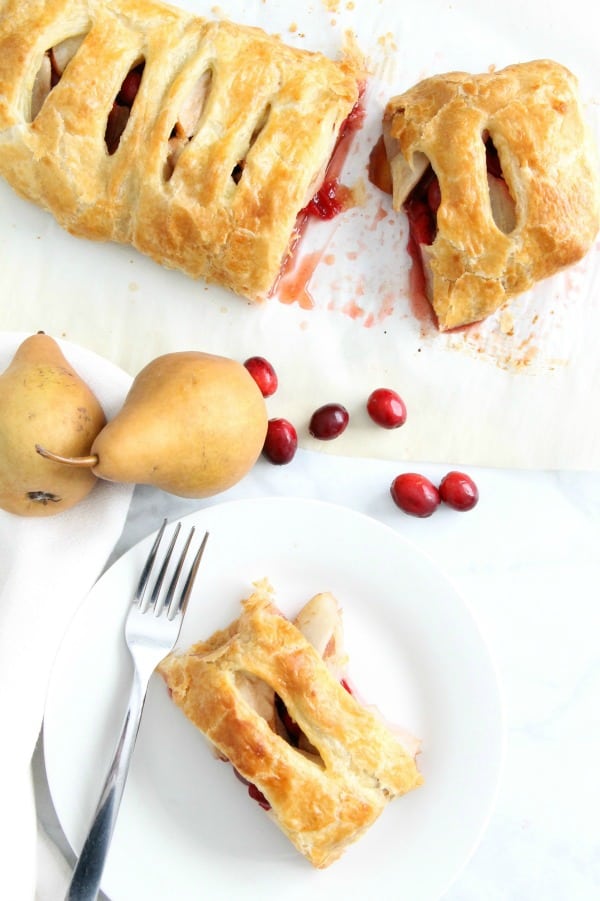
(189, 119)
(120, 112)
(53, 63)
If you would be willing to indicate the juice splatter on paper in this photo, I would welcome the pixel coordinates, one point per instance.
(357, 266)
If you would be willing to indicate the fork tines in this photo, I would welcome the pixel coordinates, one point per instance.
(157, 601)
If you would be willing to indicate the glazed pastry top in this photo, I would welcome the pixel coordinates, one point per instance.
(227, 137)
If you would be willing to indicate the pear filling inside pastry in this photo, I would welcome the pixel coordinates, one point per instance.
(271, 697)
(54, 62)
(238, 169)
(326, 196)
(502, 204)
(188, 120)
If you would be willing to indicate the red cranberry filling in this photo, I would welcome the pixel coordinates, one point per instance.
(422, 203)
(130, 86)
(332, 197)
(329, 201)
(258, 796)
(253, 791)
(55, 72)
(290, 725)
(121, 108)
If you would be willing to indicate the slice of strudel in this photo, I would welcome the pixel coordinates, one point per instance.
(196, 141)
(499, 178)
(272, 698)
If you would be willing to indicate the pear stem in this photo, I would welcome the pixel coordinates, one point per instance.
(81, 462)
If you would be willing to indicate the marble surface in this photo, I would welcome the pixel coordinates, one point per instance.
(527, 562)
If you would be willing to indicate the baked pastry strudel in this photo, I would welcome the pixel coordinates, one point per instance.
(499, 178)
(270, 696)
(196, 141)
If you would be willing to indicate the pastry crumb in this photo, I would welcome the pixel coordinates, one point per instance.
(359, 194)
(507, 323)
(387, 41)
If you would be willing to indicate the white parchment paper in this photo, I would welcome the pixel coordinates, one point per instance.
(519, 390)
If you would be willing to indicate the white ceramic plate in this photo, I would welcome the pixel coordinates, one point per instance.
(187, 827)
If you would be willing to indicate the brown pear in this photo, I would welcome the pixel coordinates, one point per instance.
(44, 401)
(193, 424)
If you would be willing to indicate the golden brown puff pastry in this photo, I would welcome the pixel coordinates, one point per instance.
(225, 139)
(323, 798)
(500, 228)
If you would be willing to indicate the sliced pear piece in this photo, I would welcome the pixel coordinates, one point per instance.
(502, 204)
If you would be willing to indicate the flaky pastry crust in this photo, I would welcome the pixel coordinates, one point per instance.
(321, 801)
(225, 209)
(533, 114)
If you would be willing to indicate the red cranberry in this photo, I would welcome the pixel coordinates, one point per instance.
(328, 422)
(386, 408)
(415, 494)
(263, 374)
(130, 86)
(281, 442)
(434, 196)
(459, 491)
(328, 202)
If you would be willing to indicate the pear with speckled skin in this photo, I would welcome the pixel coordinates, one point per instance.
(192, 424)
(44, 401)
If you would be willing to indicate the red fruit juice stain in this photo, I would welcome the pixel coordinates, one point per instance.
(327, 203)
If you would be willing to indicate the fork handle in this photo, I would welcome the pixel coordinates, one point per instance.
(87, 875)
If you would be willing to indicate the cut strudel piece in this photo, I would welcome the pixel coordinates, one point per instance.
(499, 178)
(274, 704)
(198, 142)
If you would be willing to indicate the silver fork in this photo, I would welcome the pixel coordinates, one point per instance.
(151, 630)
